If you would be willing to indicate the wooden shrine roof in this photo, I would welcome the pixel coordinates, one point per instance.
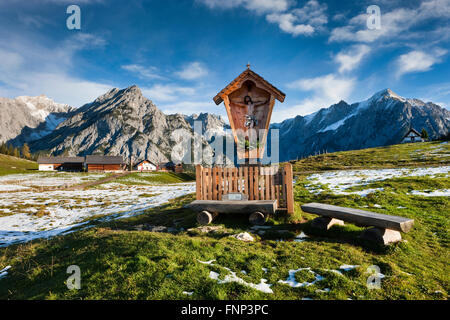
(249, 75)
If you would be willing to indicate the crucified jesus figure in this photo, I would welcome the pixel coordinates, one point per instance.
(250, 119)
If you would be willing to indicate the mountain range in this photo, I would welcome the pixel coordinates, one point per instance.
(124, 122)
(381, 120)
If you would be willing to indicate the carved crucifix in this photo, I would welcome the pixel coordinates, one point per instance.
(249, 100)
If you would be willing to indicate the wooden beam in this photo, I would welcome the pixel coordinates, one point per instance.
(360, 217)
(289, 188)
(198, 181)
(249, 206)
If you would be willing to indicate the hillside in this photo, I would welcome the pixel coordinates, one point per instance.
(399, 155)
(10, 165)
(161, 254)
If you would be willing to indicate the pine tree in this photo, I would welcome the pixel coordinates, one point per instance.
(26, 151)
(424, 134)
(3, 148)
(10, 150)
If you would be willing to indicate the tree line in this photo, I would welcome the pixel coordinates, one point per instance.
(22, 152)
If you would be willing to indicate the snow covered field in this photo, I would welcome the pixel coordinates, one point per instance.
(29, 214)
(44, 179)
(339, 182)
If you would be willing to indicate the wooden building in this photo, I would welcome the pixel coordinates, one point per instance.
(60, 163)
(412, 136)
(104, 163)
(170, 166)
(145, 165)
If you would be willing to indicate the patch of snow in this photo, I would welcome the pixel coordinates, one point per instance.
(301, 237)
(69, 209)
(340, 181)
(348, 267)
(4, 272)
(337, 124)
(428, 193)
(263, 286)
(291, 281)
(206, 262)
(244, 236)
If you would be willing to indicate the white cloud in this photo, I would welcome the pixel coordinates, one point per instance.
(350, 59)
(168, 92)
(286, 22)
(395, 24)
(326, 90)
(301, 21)
(192, 71)
(296, 21)
(28, 68)
(190, 107)
(259, 6)
(418, 61)
(142, 71)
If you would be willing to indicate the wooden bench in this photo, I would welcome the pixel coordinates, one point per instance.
(209, 209)
(386, 229)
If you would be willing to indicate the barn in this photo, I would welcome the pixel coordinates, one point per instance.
(145, 165)
(60, 163)
(412, 136)
(170, 166)
(104, 163)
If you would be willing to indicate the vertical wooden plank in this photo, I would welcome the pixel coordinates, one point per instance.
(225, 187)
(277, 190)
(210, 184)
(205, 184)
(246, 187)
(289, 188)
(235, 180)
(267, 180)
(219, 183)
(230, 184)
(256, 185)
(198, 182)
(250, 183)
(272, 188)
(215, 184)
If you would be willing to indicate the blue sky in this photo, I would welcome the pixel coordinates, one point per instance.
(182, 52)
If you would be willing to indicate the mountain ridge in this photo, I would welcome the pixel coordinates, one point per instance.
(123, 121)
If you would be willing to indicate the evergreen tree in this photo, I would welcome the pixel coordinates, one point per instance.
(424, 134)
(3, 148)
(10, 150)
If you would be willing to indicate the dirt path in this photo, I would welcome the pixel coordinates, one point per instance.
(98, 182)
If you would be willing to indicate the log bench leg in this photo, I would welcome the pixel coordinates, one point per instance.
(325, 223)
(205, 217)
(257, 218)
(381, 236)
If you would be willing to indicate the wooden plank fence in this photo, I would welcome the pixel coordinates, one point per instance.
(257, 182)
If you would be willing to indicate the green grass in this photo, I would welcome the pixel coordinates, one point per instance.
(11, 165)
(401, 155)
(147, 178)
(118, 262)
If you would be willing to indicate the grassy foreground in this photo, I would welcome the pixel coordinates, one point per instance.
(119, 262)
